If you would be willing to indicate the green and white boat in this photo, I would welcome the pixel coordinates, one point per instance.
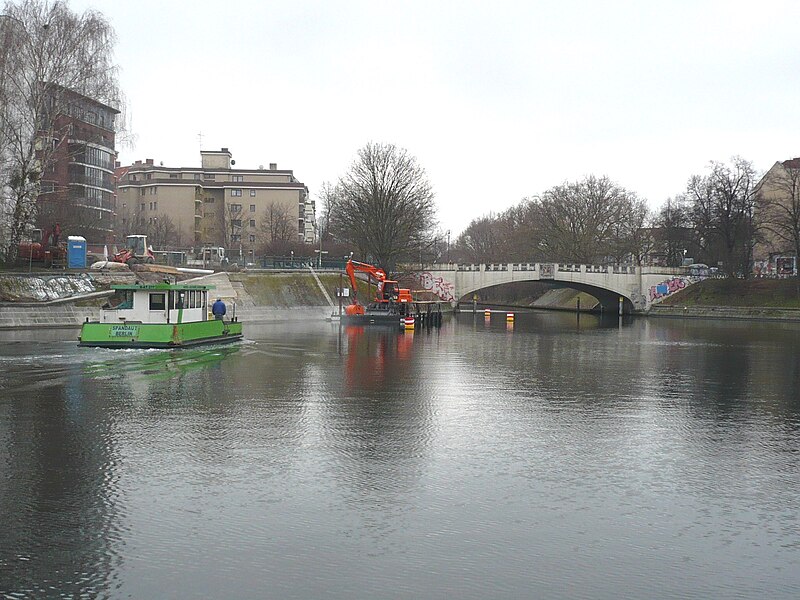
(160, 315)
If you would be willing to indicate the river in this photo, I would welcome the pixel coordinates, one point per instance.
(548, 458)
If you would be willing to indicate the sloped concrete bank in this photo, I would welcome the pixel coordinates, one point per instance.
(754, 313)
(67, 300)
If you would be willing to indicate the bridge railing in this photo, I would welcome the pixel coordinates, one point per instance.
(560, 267)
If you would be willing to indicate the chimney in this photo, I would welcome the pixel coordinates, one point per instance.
(149, 161)
(138, 162)
(273, 166)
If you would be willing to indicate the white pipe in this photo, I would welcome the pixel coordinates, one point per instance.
(198, 271)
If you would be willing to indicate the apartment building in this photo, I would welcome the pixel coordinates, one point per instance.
(77, 188)
(778, 212)
(214, 205)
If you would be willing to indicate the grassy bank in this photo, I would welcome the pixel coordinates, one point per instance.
(768, 293)
(287, 290)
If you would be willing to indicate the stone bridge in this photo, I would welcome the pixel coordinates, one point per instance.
(635, 288)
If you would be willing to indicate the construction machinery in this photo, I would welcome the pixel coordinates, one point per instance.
(390, 304)
(135, 251)
(43, 247)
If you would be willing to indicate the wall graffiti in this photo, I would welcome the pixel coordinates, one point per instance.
(437, 285)
(665, 288)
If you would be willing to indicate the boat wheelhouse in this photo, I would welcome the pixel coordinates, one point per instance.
(158, 315)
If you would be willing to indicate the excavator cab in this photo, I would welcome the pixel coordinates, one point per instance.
(387, 291)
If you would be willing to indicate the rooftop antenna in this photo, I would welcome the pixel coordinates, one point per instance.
(200, 137)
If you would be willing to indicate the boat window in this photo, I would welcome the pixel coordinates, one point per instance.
(157, 301)
(121, 300)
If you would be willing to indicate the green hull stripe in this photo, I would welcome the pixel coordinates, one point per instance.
(157, 335)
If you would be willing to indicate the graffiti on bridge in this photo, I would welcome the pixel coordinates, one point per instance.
(437, 285)
(665, 288)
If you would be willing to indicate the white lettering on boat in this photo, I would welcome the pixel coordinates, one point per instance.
(124, 330)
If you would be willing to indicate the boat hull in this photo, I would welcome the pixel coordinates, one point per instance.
(158, 335)
(383, 320)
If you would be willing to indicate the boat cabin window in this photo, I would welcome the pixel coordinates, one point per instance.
(121, 300)
(157, 301)
(186, 299)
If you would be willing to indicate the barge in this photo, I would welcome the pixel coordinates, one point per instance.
(159, 315)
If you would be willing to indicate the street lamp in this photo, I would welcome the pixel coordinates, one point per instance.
(320, 252)
(448, 247)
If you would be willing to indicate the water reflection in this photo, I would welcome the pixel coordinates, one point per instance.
(560, 457)
(59, 493)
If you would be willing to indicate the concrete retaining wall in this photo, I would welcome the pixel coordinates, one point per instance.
(725, 312)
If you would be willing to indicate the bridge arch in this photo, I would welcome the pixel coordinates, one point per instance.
(608, 300)
(639, 287)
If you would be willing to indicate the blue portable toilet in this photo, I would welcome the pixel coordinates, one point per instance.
(76, 252)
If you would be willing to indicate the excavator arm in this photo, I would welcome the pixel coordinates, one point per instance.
(356, 308)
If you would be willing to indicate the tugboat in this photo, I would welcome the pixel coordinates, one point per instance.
(159, 315)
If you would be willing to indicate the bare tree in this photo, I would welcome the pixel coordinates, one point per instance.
(779, 197)
(480, 242)
(328, 198)
(385, 207)
(162, 232)
(278, 229)
(580, 221)
(47, 53)
(631, 238)
(673, 235)
(722, 207)
(233, 226)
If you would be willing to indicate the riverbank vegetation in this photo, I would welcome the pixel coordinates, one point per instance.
(767, 293)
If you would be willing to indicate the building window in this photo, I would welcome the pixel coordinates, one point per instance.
(237, 178)
(209, 199)
(148, 175)
(236, 222)
(236, 238)
(143, 191)
(252, 208)
(252, 193)
(143, 206)
(236, 208)
(174, 175)
(155, 205)
(252, 222)
(236, 192)
(252, 239)
(151, 206)
(153, 190)
(197, 177)
(209, 176)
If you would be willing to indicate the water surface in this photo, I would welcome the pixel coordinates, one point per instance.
(553, 458)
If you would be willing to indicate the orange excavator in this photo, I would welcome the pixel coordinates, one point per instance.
(388, 293)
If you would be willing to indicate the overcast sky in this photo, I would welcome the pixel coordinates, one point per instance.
(496, 100)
